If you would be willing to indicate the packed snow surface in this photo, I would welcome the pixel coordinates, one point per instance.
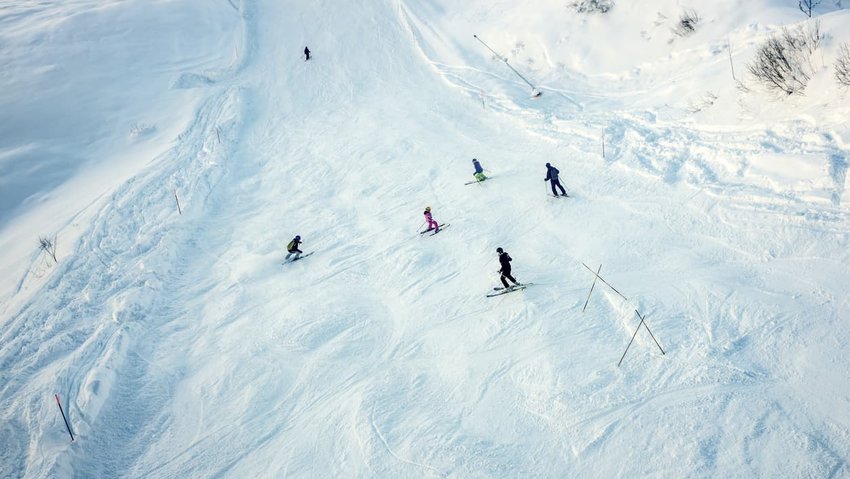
(181, 346)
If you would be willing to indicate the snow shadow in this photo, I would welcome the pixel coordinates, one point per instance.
(838, 172)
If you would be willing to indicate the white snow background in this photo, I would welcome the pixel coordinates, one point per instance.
(182, 347)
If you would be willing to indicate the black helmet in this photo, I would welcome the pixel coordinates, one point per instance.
(547, 164)
(500, 250)
(474, 159)
(298, 237)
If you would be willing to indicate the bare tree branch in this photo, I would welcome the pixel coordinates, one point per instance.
(48, 246)
(842, 65)
(806, 6)
(783, 62)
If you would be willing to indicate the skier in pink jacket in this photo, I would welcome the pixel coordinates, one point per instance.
(432, 224)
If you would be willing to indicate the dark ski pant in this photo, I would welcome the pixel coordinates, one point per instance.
(507, 274)
(297, 254)
(558, 184)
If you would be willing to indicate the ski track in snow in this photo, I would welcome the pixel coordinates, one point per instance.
(181, 347)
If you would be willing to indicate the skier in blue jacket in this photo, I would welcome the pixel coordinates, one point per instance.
(479, 171)
(552, 176)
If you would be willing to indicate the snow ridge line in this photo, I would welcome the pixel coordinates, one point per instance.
(141, 229)
(406, 461)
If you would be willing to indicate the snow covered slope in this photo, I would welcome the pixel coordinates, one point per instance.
(184, 348)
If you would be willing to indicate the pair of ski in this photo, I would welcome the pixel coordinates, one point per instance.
(473, 182)
(441, 228)
(499, 290)
(478, 181)
(298, 258)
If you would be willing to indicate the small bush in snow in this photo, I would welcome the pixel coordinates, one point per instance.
(784, 62)
(842, 65)
(806, 6)
(703, 103)
(48, 246)
(141, 129)
(687, 23)
(592, 6)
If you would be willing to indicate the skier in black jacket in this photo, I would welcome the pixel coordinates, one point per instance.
(505, 262)
(306, 53)
(552, 175)
(292, 248)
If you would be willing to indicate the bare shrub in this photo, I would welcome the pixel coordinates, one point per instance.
(806, 6)
(784, 62)
(591, 6)
(842, 65)
(139, 130)
(703, 103)
(687, 23)
(48, 246)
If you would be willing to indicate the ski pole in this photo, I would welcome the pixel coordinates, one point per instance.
(421, 225)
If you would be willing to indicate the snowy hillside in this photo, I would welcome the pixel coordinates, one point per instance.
(181, 346)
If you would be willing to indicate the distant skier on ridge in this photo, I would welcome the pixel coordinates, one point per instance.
(505, 261)
(552, 176)
(479, 171)
(306, 53)
(292, 248)
(432, 223)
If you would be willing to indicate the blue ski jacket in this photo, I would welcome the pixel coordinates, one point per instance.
(477, 166)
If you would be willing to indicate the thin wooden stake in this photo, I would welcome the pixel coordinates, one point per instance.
(603, 143)
(650, 332)
(606, 283)
(67, 426)
(178, 202)
(642, 323)
(591, 288)
(729, 43)
(630, 342)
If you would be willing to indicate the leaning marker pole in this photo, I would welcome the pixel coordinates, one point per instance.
(534, 91)
(643, 318)
(642, 323)
(591, 288)
(68, 426)
(606, 282)
(630, 342)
